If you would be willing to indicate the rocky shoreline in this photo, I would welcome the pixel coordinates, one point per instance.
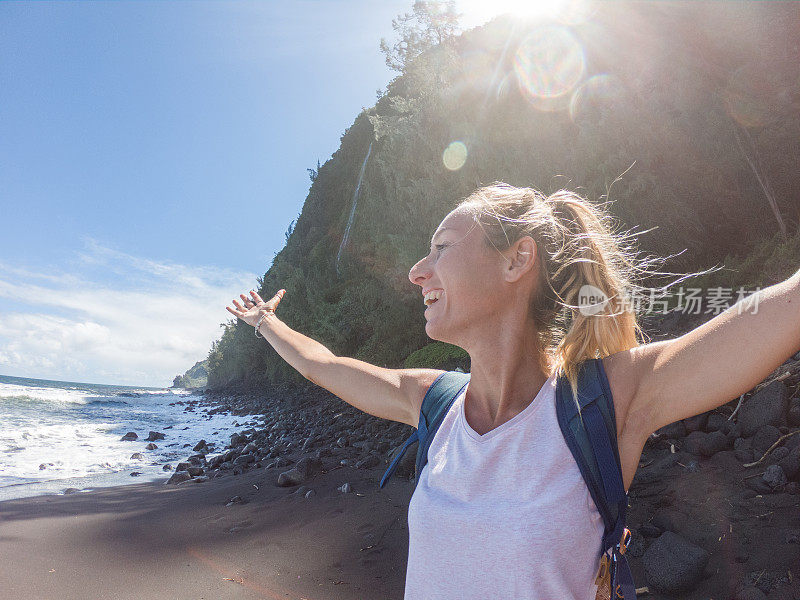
(713, 507)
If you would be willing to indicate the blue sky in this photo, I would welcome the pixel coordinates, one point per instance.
(152, 155)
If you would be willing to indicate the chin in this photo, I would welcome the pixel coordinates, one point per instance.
(435, 334)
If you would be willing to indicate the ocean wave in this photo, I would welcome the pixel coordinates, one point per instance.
(12, 392)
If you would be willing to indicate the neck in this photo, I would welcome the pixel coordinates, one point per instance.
(505, 371)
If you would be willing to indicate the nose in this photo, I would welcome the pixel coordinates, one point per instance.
(419, 273)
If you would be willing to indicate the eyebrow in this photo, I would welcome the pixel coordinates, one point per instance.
(440, 231)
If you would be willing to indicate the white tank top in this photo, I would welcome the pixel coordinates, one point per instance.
(503, 515)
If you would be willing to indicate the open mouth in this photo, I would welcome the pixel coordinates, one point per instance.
(432, 296)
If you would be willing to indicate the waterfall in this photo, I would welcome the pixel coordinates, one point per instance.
(352, 210)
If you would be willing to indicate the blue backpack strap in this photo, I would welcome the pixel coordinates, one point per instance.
(437, 401)
(591, 436)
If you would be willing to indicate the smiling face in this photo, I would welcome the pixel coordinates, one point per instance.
(466, 275)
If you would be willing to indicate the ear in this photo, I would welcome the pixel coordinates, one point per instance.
(521, 258)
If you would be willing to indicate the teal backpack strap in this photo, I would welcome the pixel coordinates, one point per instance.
(591, 436)
(437, 401)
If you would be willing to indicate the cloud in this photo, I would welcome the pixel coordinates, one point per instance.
(115, 318)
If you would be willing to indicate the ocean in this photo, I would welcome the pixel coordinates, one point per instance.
(56, 435)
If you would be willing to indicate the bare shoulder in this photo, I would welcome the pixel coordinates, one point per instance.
(624, 371)
(621, 371)
(416, 383)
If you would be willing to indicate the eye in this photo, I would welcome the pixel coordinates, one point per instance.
(440, 247)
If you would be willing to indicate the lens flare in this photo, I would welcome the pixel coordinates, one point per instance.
(548, 64)
(454, 156)
(593, 94)
(752, 96)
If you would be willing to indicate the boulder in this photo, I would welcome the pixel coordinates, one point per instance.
(154, 436)
(791, 464)
(774, 477)
(129, 437)
(673, 564)
(767, 407)
(764, 437)
(290, 478)
(179, 477)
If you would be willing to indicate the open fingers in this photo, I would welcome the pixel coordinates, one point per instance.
(246, 300)
(255, 295)
(239, 306)
(232, 311)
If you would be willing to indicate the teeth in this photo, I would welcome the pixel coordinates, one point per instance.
(432, 296)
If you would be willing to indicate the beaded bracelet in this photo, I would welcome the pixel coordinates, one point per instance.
(269, 312)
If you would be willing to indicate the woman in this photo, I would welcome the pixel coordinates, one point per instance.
(503, 281)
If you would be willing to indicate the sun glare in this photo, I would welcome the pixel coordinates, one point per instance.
(478, 12)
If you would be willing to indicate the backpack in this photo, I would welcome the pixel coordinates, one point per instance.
(591, 436)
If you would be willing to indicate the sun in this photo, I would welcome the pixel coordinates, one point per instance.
(478, 12)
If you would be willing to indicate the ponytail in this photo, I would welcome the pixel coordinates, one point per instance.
(587, 272)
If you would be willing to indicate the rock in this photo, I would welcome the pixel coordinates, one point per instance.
(791, 464)
(716, 422)
(750, 593)
(794, 412)
(657, 469)
(673, 431)
(695, 442)
(135, 473)
(673, 564)
(696, 423)
(693, 466)
(290, 477)
(151, 446)
(636, 545)
(758, 484)
(137, 456)
(669, 520)
(237, 439)
(183, 466)
(308, 466)
(129, 437)
(649, 530)
(244, 459)
(345, 488)
(369, 461)
(195, 471)
(744, 453)
(71, 491)
(42, 467)
(154, 436)
(309, 494)
(778, 454)
(179, 476)
(166, 467)
(199, 446)
(781, 592)
(792, 488)
(766, 407)
(200, 479)
(714, 442)
(764, 437)
(774, 477)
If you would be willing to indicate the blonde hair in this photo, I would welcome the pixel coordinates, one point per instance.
(576, 245)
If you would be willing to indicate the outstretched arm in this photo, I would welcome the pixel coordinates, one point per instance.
(717, 361)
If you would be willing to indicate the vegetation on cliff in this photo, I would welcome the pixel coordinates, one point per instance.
(686, 118)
